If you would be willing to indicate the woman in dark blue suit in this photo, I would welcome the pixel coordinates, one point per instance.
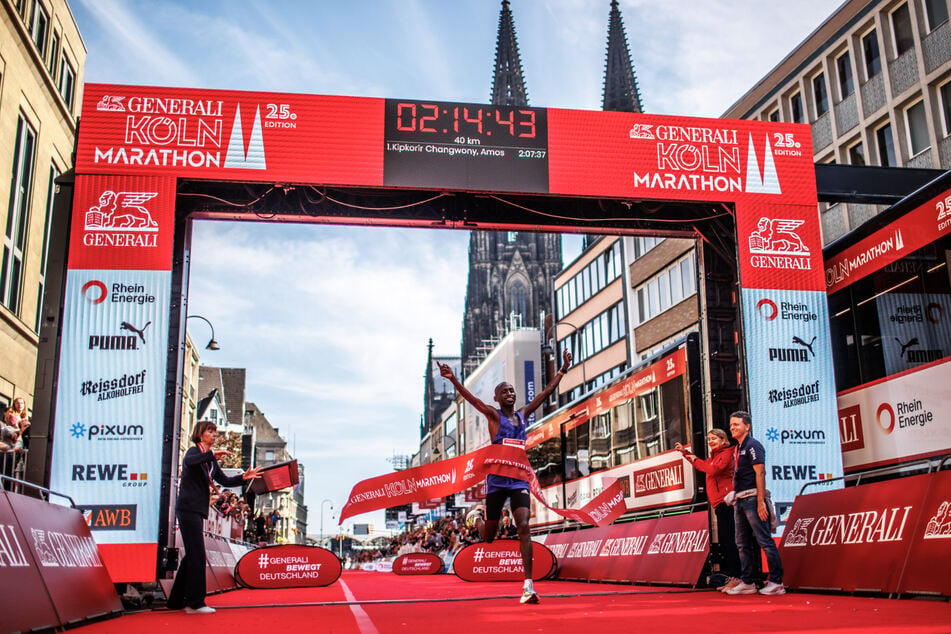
(199, 468)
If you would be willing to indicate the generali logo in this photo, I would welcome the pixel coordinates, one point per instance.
(64, 550)
(659, 479)
(111, 103)
(850, 428)
(776, 245)
(939, 526)
(868, 526)
(120, 219)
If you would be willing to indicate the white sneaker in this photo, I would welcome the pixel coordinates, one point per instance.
(773, 588)
(741, 588)
(202, 610)
(528, 596)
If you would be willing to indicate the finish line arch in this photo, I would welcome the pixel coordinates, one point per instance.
(151, 160)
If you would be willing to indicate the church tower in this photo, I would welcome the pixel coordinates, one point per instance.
(511, 274)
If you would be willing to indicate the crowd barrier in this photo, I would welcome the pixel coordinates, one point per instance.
(891, 537)
(668, 549)
(50, 566)
(288, 566)
(502, 561)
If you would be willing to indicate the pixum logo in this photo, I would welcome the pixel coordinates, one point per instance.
(253, 156)
(107, 432)
(95, 292)
(765, 182)
(796, 436)
(776, 245)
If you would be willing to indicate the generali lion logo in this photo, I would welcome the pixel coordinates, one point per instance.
(121, 210)
(777, 236)
(111, 103)
(43, 549)
(939, 526)
(642, 131)
(798, 535)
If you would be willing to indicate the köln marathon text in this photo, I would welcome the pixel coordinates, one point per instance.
(455, 149)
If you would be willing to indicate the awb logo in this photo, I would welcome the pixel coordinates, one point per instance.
(251, 157)
(115, 517)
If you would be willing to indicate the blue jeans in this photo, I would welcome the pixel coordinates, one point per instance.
(749, 527)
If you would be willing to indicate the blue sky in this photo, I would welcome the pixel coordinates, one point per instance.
(332, 322)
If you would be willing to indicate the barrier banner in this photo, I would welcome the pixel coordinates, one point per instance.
(417, 564)
(931, 546)
(31, 607)
(669, 549)
(502, 561)
(446, 477)
(67, 559)
(288, 566)
(854, 539)
(220, 561)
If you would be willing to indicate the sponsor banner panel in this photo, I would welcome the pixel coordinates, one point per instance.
(107, 443)
(915, 327)
(231, 135)
(792, 388)
(779, 246)
(221, 561)
(662, 550)
(502, 561)
(899, 418)
(931, 548)
(67, 558)
(417, 564)
(853, 539)
(660, 480)
(20, 575)
(122, 222)
(288, 566)
(906, 235)
(678, 158)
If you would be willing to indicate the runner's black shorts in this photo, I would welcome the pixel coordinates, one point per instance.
(518, 498)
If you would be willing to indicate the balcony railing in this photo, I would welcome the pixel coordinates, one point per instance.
(936, 47)
(904, 72)
(821, 132)
(873, 94)
(846, 115)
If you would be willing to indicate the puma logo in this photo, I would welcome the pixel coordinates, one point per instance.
(904, 346)
(807, 346)
(127, 326)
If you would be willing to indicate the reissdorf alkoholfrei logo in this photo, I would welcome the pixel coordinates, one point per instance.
(184, 132)
(105, 389)
(776, 245)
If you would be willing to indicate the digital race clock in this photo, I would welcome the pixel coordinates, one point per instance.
(435, 144)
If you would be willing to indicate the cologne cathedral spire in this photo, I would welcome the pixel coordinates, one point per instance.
(620, 83)
(508, 84)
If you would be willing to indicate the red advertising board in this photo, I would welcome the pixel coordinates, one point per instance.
(288, 566)
(854, 539)
(417, 564)
(661, 550)
(66, 557)
(502, 561)
(930, 550)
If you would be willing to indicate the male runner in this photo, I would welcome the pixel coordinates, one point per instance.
(507, 427)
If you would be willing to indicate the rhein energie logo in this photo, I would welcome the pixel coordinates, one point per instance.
(776, 245)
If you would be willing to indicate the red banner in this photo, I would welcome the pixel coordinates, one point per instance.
(662, 550)
(446, 477)
(288, 566)
(931, 548)
(417, 564)
(502, 561)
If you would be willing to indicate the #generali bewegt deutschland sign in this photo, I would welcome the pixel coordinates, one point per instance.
(136, 141)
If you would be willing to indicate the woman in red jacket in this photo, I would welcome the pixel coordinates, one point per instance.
(719, 470)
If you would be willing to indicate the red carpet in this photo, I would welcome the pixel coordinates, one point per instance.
(383, 603)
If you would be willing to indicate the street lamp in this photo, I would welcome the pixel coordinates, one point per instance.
(548, 350)
(322, 516)
(212, 344)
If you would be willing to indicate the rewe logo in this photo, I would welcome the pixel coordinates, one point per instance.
(121, 210)
(253, 156)
(765, 182)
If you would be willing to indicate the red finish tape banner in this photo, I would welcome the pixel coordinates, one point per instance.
(288, 566)
(502, 561)
(446, 477)
(417, 564)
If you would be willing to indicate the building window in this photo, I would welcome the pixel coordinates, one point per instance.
(873, 61)
(50, 194)
(843, 66)
(901, 30)
(944, 96)
(268, 455)
(590, 338)
(821, 94)
(666, 289)
(39, 28)
(67, 81)
(54, 52)
(857, 154)
(886, 146)
(603, 270)
(773, 116)
(936, 12)
(511, 236)
(917, 125)
(518, 299)
(17, 212)
(642, 245)
(795, 108)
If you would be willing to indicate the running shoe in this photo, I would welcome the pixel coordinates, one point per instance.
(205, 609)
(528, 596)
(741, 588)
(732, 583)
(773, 588)
(474, 516)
